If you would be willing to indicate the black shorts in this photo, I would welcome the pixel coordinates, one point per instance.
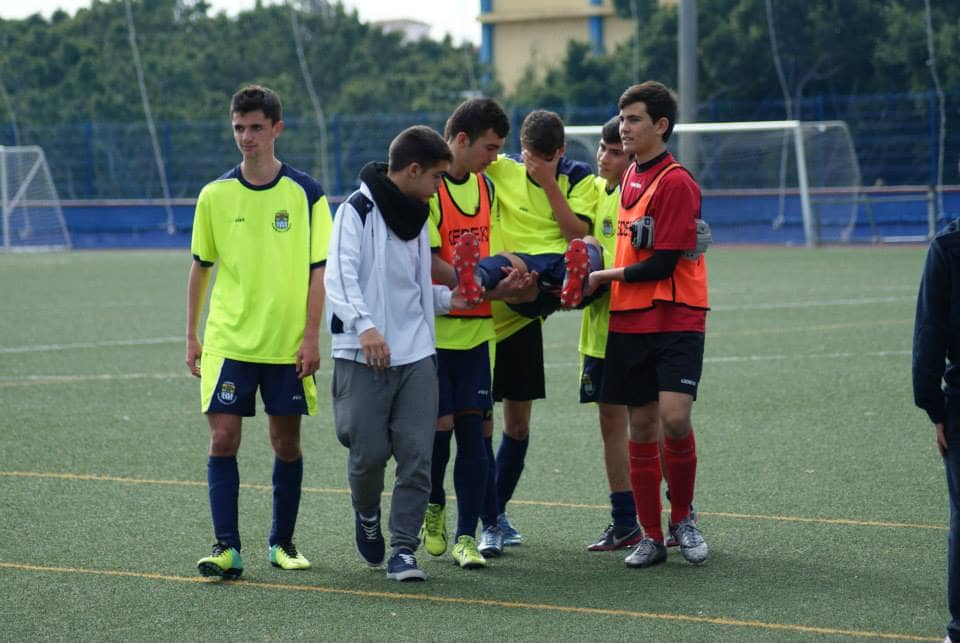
(518, 367)
(639, 366)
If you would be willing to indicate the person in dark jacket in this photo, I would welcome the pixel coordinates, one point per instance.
(936, 383)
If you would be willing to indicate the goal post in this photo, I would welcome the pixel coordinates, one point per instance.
(798, 179)
(32, 218)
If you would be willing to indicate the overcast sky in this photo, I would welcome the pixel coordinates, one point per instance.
(456, 17)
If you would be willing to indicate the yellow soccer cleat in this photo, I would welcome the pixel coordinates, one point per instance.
(224, 562)
(466, 554)
(433, 533)
(286, 556)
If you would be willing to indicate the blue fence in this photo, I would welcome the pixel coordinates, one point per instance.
(734, 218)
(896, 137)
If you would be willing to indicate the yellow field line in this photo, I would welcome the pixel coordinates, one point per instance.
(182, 483)
(847, 522)
(481, 602)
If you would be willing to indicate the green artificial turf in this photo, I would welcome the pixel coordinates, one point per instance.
(819, 488)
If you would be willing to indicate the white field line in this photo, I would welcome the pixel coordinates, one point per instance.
(863, 301)
(26, 380)
(29, 380)
(40, 348)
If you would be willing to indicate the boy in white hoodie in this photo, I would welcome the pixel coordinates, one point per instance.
(381, 306)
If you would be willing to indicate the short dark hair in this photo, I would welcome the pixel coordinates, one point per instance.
(418, 144)
(542, 131)
(610, 133)
(474, 117)
(659, 100)
(255, 97)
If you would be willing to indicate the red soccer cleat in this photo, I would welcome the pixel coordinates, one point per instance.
(576, 262)
(466, 256)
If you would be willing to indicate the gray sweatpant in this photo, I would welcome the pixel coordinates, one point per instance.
(381, 414)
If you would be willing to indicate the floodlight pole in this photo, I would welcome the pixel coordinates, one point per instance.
(687, 78)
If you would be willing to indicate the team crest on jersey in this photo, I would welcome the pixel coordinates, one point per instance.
(228, 393)
(607, 227)
(281, 221)
(586, 384)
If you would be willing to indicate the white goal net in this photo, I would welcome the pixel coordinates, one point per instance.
(32, 217)
(765, 181)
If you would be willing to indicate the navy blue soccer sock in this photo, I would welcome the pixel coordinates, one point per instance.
(510, 458)
(469, 472)
(490, 271)
(595, 256)
(287, 482)
(223, 486)
(491, 504)
(438, 466)
(622, 509)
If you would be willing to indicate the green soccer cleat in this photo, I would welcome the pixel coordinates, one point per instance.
(224, 562)
(286, 556)
(466, 555)
(433, 533)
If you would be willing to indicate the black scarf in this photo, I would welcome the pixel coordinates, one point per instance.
(403, 214)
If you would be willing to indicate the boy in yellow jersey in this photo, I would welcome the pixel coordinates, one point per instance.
(544, 202)
(462, 206)
(266, 225)
(543, 234)
(623, 530)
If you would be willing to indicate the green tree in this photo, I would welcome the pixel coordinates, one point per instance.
(80, 68)
(825, 47)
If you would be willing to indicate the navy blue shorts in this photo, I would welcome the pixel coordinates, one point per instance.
(464, 378)
(548, 265)
(591, 378)
(640, 365)
(551, 272)
(230, 386)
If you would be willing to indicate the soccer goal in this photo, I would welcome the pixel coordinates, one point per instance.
(765, 181)
(32, 217)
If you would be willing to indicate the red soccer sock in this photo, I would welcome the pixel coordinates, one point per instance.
(645, 478)
(680, 460)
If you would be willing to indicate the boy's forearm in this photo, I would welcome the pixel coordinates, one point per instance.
(315, 298)
(571, 225)
(196, 292)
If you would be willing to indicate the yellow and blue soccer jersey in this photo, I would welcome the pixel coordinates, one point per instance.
(460, 333)
(596, 316)
(264, 240)
(524, 221)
